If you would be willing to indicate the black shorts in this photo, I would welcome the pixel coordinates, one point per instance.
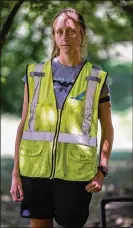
(66, 201)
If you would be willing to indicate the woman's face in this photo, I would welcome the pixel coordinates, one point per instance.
(67, 33)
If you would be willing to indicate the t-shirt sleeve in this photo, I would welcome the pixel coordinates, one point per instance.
(24, 79)
(105, 93)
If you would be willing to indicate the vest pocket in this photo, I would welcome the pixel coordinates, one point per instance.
(79, 162)
(34, 159)
(30, 148)
(80, 155)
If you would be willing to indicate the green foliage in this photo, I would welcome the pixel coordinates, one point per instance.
(120, 83)
(29, 37)
(121, 88)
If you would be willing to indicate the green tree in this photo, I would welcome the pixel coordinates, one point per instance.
(27, 41)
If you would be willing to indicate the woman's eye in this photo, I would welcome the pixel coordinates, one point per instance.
(71, 32)
(59, 32)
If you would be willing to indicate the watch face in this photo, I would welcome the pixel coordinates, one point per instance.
(103, 169)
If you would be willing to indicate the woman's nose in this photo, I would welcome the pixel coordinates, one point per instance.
(65, 35)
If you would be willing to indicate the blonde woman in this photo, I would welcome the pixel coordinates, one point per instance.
(55, 167)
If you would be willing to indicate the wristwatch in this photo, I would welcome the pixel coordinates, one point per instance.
(103, 170)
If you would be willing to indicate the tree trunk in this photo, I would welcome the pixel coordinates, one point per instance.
(8, 23)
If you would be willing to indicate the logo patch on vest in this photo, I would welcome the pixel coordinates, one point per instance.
(79, 97)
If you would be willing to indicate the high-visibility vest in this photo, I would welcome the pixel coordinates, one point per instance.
(61, 143)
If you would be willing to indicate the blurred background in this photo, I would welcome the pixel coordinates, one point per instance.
(25, 39)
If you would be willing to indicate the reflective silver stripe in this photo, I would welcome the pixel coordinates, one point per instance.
(63, 137)
(77, 139)
(33, 135)
(39, 74)
(37, 83)
(86, 127)
(92, 78)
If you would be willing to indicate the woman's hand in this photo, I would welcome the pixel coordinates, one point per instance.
(96, 183)
(16, 189)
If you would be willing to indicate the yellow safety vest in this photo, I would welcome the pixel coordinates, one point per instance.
(61, 143)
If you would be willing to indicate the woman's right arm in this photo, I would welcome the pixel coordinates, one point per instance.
(16, 186)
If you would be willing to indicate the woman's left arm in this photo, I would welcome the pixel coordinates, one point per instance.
(107, 133)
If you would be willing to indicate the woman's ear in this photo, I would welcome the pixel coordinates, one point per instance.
(82, 38)
(54, 38)
(53, 34)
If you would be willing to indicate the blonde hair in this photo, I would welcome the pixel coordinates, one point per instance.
(84, 43)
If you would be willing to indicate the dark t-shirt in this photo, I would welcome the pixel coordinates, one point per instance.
(64, 77)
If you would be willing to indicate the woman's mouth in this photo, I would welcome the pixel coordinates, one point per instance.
(65, 45)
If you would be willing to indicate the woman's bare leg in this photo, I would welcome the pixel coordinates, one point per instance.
(38, 223)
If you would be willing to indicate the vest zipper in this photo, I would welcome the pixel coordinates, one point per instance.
(57, 131)
(55, 144)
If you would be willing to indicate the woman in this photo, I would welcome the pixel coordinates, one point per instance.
(55, 167)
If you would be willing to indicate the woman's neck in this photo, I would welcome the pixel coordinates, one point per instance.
(68, 60)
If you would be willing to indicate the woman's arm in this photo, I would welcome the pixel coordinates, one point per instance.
(16, 186)
(107, 133)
